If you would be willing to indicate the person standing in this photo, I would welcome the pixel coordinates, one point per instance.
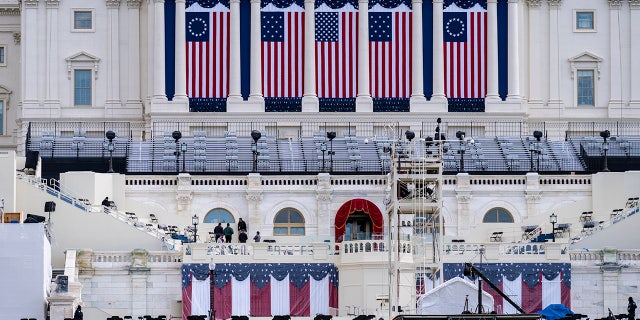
(242, 236)
(242, 226)
(256, 238)
(218, 231)
(228, 232)
(78, 314)
(631, 309)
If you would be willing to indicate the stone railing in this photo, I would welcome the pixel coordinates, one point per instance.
(138, 258)
(500, 251)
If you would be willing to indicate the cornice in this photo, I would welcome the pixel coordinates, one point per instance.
(634, 4)
(9, 11)
(113, 4)
(134, 4)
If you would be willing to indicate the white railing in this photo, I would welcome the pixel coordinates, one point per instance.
(69, 198)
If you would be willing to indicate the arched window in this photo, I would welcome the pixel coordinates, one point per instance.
(219, 215)
(497, 215)
(288, 222)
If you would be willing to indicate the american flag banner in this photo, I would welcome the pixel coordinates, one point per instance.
(207, 51)
(533, 286)
(465, 50)
(282, 51)
(259, 289)
(390, 41)
(336, 52)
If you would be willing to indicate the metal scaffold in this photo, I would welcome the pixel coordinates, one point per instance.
(415, 223)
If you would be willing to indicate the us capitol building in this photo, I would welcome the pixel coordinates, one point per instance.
(376, 146)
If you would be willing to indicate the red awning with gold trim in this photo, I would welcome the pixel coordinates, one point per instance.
(352, 206)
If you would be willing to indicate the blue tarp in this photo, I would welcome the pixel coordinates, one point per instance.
(555, 311)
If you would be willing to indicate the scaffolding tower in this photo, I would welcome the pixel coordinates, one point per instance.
(415, 224)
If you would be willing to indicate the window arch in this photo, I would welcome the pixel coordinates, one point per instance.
(219, 215)
(288, 222)
(498, 215)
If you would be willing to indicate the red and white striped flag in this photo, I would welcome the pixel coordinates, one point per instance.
(207, 53)
(337, 53)
(283, 53)
(465, 52)
(390, 42)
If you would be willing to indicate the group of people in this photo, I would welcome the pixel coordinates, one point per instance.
(224, 235)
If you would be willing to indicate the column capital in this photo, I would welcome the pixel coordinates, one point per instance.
(634, 4)
(614, 4)
(30, 3)
(514, 1)
(554, 3)
(492, 1)
(134, 4)
(309, 1)
(234, 1)
(52, 3)
(363, 1)
(112, 4)
(534, 3)
(181, 1)
(255, 1)
(158, 1)
(437, 1)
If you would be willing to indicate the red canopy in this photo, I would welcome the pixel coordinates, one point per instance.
(352, 206)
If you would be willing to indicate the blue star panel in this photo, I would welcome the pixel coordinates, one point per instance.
(327, 26)
(273, 26)
(455, 26)
(380, 26)
(197, 26)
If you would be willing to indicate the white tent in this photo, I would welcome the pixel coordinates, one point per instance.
(449, 298)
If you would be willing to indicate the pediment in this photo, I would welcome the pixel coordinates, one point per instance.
(586, 57)
(82, 57)
(4, 90)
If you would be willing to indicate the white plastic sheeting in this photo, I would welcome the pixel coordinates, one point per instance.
(449, 298)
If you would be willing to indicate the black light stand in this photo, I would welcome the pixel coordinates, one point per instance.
(331, 135)
(176, 135)
(323, 148)
(110, 135)
(553, 219)
(461, 148)
(183, 150)
(255, 135)
(605, 147)
(195, 220)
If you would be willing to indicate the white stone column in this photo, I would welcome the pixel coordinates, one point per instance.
(29, 53)
(417, 91)
(255, 84)
(234, 52)
(159, 94)
(554, 58)
(180, 95)
(310, 99)
(615, 63)
(513, 51)
(364, 103)
(492, 51)
(535, 54)
(634, 47)
(113, 58)
(52, 98)
(438, 53)
(133, 56)
(148, 60)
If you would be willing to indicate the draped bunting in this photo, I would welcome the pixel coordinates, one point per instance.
(283, 104)
(532, 285)
(208, 3)
(207, 104)
(246, 289)
(282, 3)
(336, 4)
(352, 206)
(465, 105)
(391, 105)
(337, 105)
(465, 4)
(389, 4)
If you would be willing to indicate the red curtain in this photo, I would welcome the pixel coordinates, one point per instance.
(222, 301)
(299, 300)
(261, 300)
(352, 206)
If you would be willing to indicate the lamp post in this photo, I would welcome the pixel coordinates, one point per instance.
(176, 135)
(323, 148)
(195, 221)
(331, 135)
(110, 135)
(605, 147)
(212, 306)
(183, 150)
(553, 219)
(255, 135)
(461, 148)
